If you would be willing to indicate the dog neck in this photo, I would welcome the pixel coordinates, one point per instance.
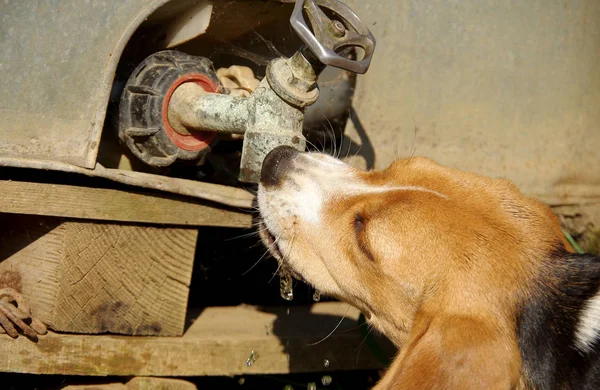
(398, 335)
(559, 325)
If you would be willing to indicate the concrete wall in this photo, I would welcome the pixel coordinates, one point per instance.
(505, 88)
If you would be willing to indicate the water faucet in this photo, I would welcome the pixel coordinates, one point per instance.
(273, 113)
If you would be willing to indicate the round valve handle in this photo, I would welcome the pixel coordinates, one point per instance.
(333, 36)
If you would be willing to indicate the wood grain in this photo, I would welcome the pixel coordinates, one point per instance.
(149, 383)
(218, 342)
(138, 383)
(96, 277)
(70, 201)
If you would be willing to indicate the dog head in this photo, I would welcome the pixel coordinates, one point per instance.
(415, 236)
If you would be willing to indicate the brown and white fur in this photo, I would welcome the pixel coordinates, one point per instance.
(470, 278)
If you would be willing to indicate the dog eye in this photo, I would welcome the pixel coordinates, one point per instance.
(359, 227)
(359, 223)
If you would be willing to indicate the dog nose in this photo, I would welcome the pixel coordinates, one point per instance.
(276, 164)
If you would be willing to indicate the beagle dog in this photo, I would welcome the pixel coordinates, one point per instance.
(472, 280)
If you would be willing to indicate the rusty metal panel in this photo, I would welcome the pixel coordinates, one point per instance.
(501, 87)
(57, 63)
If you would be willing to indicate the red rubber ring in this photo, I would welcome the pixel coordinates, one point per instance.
(199, 140)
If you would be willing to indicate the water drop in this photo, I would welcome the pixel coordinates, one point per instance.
(317, 296)
(286, 290)
(242, 381)
(326, 380)
(251, 359)
(288, 387)
(326, 363)
(311, 386)
(287, 311)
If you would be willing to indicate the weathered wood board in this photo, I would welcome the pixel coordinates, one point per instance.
(89, 277)
(218, 342)
(139, 383)
(70, 201)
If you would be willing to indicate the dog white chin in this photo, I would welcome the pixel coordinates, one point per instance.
(269, 240)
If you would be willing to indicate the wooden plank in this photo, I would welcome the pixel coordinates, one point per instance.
(219, 342)
(138, 383)
(69, 201)
(30, 255)
(225, 195)
(105, 386)
(96, 277)
(149, 383)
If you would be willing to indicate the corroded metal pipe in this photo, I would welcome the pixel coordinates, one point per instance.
(193, 109)
(271, 116)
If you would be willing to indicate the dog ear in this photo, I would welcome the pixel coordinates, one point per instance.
(454, 353)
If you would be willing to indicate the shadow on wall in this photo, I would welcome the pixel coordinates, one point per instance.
(365, 148)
